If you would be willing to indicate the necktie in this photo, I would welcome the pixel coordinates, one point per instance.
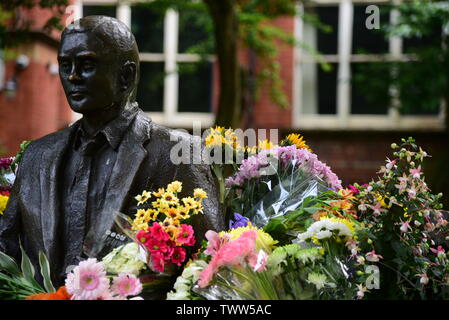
(78, 216)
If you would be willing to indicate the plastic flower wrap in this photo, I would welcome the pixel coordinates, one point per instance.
(276, 181)
(245, 264)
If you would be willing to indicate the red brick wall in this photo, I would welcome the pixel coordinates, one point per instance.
(39, 106)
(266, 114)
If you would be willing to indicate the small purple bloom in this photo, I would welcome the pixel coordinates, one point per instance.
(240, 221)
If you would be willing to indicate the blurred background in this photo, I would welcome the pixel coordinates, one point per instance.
(351, 76)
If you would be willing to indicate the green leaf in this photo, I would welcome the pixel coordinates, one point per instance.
(8, 264)
(45, 271)
(28, 269)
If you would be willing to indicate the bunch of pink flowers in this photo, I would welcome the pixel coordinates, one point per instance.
(166, 249)
(253, 167)
(88, 281)
(233, 253)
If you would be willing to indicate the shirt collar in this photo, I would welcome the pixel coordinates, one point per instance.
(114, 130)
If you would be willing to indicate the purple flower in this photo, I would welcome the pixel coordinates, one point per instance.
(254, 166)
(5, 162)
(240, 221)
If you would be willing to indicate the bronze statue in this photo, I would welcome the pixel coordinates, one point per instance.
(74, 180)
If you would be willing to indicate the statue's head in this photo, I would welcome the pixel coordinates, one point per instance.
(98, 64)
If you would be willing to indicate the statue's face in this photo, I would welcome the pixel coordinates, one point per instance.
(88, 73)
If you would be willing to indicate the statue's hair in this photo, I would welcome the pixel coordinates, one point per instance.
(115, 34)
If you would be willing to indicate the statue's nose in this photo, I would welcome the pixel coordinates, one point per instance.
(74, 76)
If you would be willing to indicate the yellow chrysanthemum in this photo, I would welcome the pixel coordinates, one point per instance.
(174, 187)
(3, 203)
(173, 213)
(266, 144)
(159, 192)
(264, 240)
(170, 222)
(151, 214)
(189, 203)
(184, 213)
(169, 198)
(199, 193)
(297, 140)
(142, 198)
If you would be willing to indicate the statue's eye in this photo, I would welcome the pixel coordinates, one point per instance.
(88, 66)
(65, 66)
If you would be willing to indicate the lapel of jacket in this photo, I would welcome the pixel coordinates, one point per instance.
(49, 183)
(131, 153)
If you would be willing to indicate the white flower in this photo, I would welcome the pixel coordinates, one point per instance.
(424, 279)
(124, 259)
(323, 234)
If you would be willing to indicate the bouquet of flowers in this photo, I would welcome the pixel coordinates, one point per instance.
(245, 263)
(8, 168)
(160, 226)
(276, 181)
(86, 281)
(405, 232)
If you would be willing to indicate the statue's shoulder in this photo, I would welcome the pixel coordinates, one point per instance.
(170, 136)
(49, 141)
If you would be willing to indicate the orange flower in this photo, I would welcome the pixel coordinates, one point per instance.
(341, 204)
(346, 194)
(61, 294)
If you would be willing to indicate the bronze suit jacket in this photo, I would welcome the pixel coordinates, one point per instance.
(143, 163)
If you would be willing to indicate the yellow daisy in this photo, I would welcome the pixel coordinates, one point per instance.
(297, 140)
(142, 198)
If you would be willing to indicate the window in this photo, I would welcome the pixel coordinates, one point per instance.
(174, 89)
(353, 92)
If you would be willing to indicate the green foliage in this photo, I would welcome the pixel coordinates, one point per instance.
(15, 283)
(14, 29)
(426, 25)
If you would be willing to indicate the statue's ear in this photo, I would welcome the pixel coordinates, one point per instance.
(128, 75)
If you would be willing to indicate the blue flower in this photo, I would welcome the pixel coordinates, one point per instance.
(239, 221)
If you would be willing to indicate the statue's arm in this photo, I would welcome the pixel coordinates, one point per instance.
(10, 222)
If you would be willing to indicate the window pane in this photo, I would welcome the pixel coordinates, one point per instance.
(195, 28)
(151, 85)
(370, 88)
(369, 40)
(99, 11)
(327, 89)
(195, 87)
(419, 94)
(327, 41)
(147, 24)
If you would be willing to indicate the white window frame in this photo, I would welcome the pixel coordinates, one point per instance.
(343, 119)
(170, 57)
